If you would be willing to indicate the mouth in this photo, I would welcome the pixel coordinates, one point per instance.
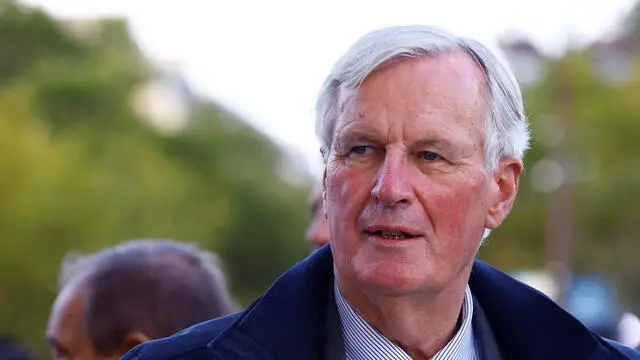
(392, 233)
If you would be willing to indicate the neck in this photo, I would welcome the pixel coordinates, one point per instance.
(420, 323)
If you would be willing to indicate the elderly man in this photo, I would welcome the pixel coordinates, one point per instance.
(423, 137)
(111, 301)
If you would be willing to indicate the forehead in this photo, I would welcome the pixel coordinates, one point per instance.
(444, 92)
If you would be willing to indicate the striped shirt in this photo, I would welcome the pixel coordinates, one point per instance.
(363, 342)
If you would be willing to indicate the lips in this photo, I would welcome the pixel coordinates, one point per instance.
(392, 232)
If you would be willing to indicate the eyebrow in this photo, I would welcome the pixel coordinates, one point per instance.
(357, 137)
(436, 143)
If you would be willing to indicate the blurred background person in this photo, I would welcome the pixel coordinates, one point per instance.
(113, 300)
(317, 233)
(10, 350)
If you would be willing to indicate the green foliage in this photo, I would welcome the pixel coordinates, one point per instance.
(80, 170)
(27, 36)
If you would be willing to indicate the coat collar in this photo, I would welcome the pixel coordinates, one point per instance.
(289, 321)
(529, 325)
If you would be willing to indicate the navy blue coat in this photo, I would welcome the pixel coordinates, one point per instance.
(296, 319)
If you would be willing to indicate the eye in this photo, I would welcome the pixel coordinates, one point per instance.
(430, 156)
(360, 150)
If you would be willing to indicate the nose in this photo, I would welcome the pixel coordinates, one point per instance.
(392, 185)
(317, 233)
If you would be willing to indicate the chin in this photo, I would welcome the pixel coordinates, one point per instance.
(396, 279)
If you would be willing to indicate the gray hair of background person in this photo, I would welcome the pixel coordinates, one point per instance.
(157, 287)
(506, 132)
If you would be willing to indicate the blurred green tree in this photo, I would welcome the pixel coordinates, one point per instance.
(591, 96)
(81, 170)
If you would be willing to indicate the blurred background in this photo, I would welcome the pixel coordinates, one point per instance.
(194, 121)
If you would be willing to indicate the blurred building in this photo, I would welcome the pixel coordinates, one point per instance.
(592, 299)
(614, 59)
(526, 61)
(166, 100)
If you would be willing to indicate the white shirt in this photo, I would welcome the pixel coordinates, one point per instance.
(363, 342)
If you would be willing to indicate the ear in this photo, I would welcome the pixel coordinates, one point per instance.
(506, 181)
(132, 340)
(324, 191)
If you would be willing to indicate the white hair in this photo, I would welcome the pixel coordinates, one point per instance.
(506, 130)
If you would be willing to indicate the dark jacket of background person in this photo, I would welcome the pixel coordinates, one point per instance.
(10, 350)
(297, 319)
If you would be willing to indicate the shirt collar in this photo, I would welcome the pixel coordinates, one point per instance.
(363, 342)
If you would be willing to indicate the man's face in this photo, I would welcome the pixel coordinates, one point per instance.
(318, 231)
(408, 196)
(66, 331)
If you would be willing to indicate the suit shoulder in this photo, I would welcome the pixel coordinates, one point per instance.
(630, 353)
(190, 343)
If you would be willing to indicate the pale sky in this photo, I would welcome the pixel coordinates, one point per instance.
(266, 60)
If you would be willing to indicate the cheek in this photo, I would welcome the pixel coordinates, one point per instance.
(457, 208)
(347, 193)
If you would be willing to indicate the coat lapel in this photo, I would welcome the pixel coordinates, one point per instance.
(528, 325)
(486, 341)
(334, 341)
(288, 322)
